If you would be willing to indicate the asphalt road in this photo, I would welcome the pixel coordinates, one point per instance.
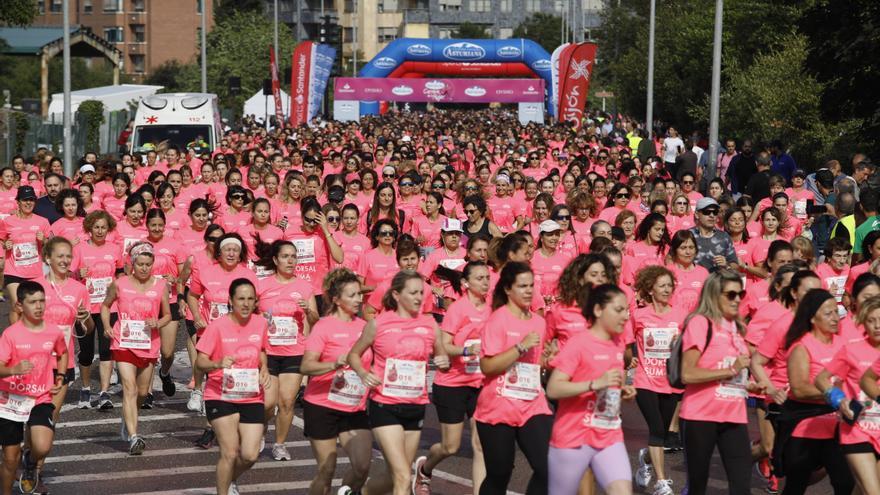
(90, 458)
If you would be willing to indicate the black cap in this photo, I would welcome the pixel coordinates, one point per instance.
(799, 173)
(25, 193)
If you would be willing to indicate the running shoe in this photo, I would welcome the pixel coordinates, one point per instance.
(194, 403)
(421, 483)
(104, 402)
(206, 441)
(663, 487)
(762, 467)
(148, 401)
(136, 446)
(280, 453)
(27, 482)
(773, 485)
(233, 489)
(344, 490)
(85, 399)
(645, 472)
(262, 446)
(168, 386)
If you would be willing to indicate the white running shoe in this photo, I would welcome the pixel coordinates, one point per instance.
(262, 445)
(233, 489)
(194, 403)
(645, 472)
(280, 453)
(344, 490)
(663, 487)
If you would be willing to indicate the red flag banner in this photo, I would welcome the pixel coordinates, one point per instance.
(561, 73)
(299, 83)
(574, 83)
(276, 86)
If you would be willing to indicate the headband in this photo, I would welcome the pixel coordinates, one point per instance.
(230, 240)
(141, 248)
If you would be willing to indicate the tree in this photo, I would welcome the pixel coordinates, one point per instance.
(21, 75)
(17, 12)
(174, 76)
(223, 10)
(469, 30)
(545, 29)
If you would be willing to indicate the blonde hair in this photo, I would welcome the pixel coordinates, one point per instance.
(866, 308)
(709, 295)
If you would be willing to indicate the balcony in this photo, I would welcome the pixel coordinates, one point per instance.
(416, 16)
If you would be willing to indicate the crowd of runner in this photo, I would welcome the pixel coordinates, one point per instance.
(523, 280)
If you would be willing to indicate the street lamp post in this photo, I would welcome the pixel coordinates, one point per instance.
(68, 145)
(649, 113)
(714, 109)
(204, 38)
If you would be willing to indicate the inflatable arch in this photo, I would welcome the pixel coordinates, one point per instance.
(415, 57)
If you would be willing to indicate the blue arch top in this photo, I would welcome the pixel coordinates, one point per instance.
(456, 50)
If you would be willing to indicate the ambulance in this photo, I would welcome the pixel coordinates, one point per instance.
(187, 120)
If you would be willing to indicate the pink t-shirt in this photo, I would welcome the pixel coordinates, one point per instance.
(212, 282)
(130, 333)
(374, 300)
(342, 389)
(798, 201)
(832, 280)
(591, 418)
(40, 347)
(62, 302)
(653, 335)
(268, 234)
(761, 321)
(128, 235)
(464, 322)
(24, 260)
(674, 223)
(503, 211)
(820, 354)
(375, 266)
(169, 257)
(772, 347)
(279, 303)
(850, 363)
(233, 222)
(354, 248)
(854, 273)
(548, 269)
(564, 322)
(757, 296)
(177, 219)
(849, 331)
(610, 214)
(224, 337)
(70, 229)
(688, 284)
(422, 226)
(722, 401)
(515, 396)
(8, 204)
(114, 206)
(312, 257)
(402, 349)
(101, 263)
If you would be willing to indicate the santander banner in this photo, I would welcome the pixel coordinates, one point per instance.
(575, 69)
(299, 83)
(439, 90)
(276, 86)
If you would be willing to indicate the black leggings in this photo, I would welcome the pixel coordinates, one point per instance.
(803, 456)
(499, 450)
(87, 343)
(658, 410)
(732, 439)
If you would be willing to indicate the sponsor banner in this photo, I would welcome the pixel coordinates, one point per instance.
(276, 86)
(554, 76)
(300, 80)
(439, 90)
(322, 65)
(470, 69)
(574, 83)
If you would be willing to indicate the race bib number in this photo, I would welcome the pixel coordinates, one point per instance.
(836, 286)
(347, 389)
(522, 381)
(305, 250)
(16, 407)
(657, 342)
(25, 254)
(404, 378)
(800, 208)
(133, 334)
(605, 412)
(97, 288)
(240, 383)
(217, 310)
(869, 420)
(733, 388)
(453, 264)
(471, 363)
(283, 330)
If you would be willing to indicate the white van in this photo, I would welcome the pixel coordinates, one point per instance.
(183, 119)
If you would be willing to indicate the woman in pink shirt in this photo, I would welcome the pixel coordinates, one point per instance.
(378, 262)
(335, 401)
(618, 199)
(176, 218)
(316, 248)
(86, 195)
(289, 306)
(859, 441)
(131, 229)
(653, 329)
(260, 228)
(135, 338)
(563, 317)
(70, 225)
(568, 243)
(353, 243)
(23, 234)
(812, 341)
(114, 203)
(649, 248)
(426, 228)
(681, 215)
(735, 226)
(407, 258)
(835, 270)
(757, 247)
(402, 340)
(548, 261)
(714, 369)
(689, 277)
(511, 408)
(455, 392)
(778, 253)
(235, 217)
(588, 380)
(232, 353)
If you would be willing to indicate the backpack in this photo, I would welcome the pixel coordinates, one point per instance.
(673, 364)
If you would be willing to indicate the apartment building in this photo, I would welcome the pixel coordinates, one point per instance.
(147, 32)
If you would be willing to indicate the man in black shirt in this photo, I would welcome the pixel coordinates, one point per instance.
(758, 186)
(742, 168)
(45, 206)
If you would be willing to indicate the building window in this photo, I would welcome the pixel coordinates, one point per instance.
(138, 33)
(387, 34)
(533, 5)
(41, 7)
(87, 6)
(113, 34)
(137, 63)
(347, 35)
(55, 7)
(480, 5)
(138, 5)
(505, 33)
(112, 5)
(506, 5)
(450, 5)
(348, 6)
(386, 6)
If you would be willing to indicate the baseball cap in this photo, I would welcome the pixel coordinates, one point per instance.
(451, 225)
(25, 193)
(800, 173)
(549, 226)
(704, 203)
(86, 169)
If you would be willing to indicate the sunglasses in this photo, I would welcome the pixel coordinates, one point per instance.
(731, 295)
(389, 176)
(687, 182)
(238, 196)
(438, 186)
(710, 213)
(517, 181)
(214, 239)
(471, 211)
(681, 203)
(603, 156)
(406, 184)
(471, 188)
(312, 220)
(622, 196)
(333, 219)
(562, 217)
(386, 233)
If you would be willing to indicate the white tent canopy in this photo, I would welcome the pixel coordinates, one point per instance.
(259, 105)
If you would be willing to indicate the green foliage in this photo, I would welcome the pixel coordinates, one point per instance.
(21, 75)
(469, 30)
(17, 12)
(224, 10)
(544, 29)
(173, 75)
(91, 114)
(22, 126)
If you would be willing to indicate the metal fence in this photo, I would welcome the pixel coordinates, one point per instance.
(22, 133)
